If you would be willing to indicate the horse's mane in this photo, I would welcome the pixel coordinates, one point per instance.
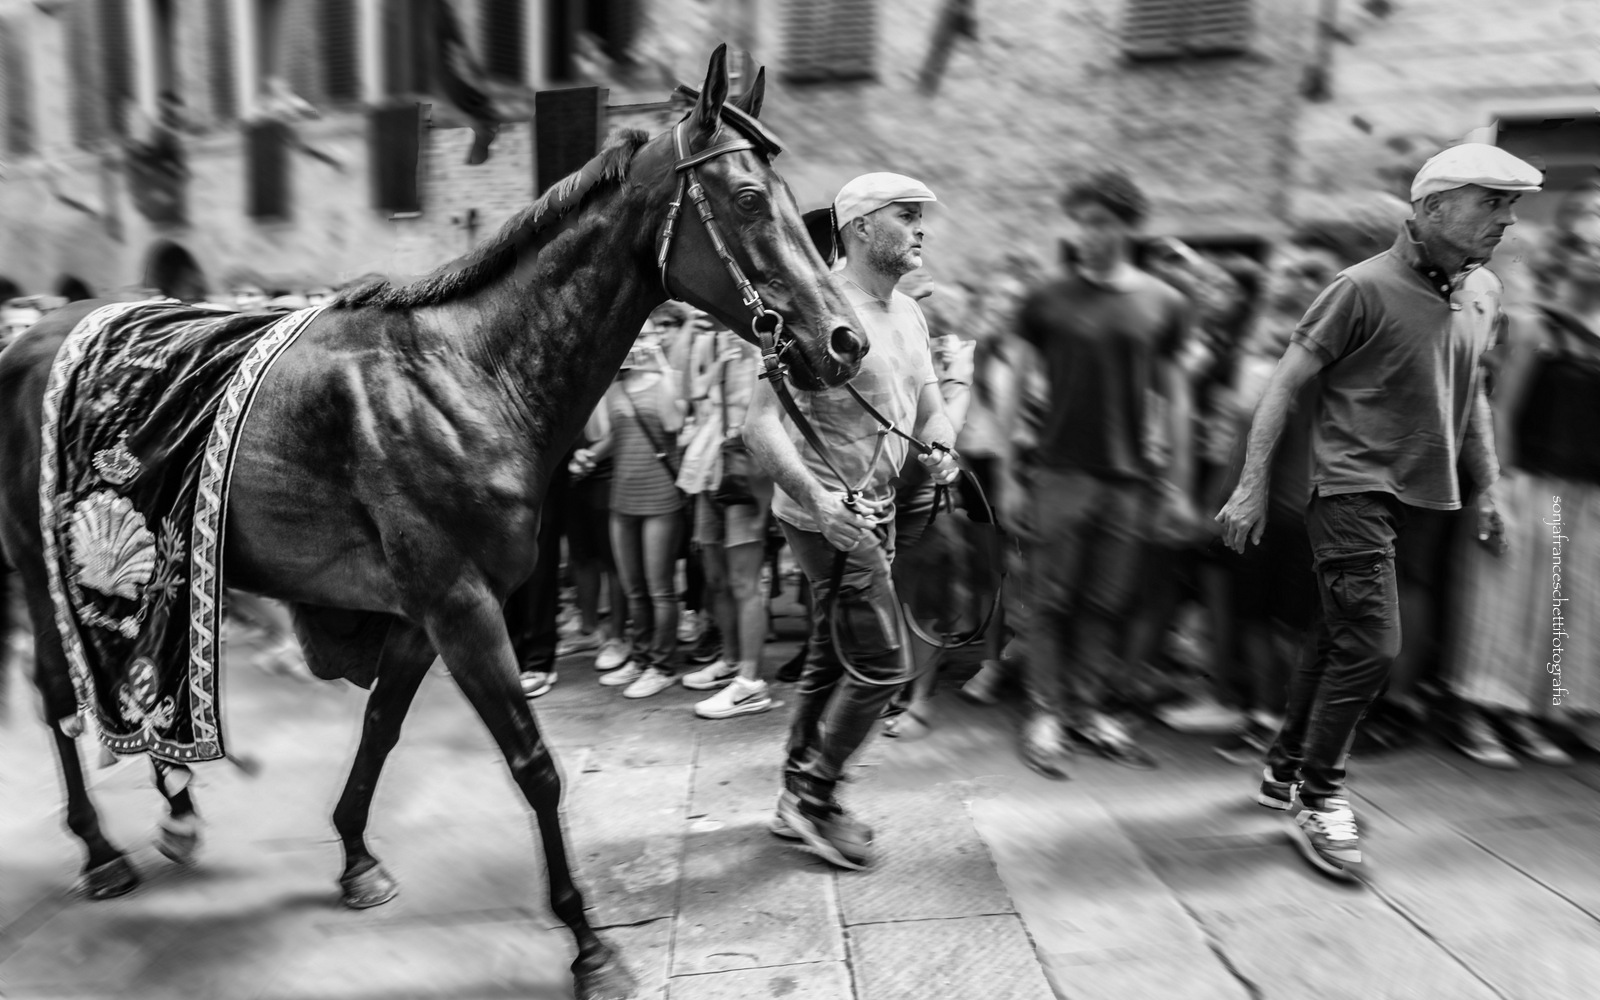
(491, 259)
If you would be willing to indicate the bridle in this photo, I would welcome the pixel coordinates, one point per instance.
(767, 325)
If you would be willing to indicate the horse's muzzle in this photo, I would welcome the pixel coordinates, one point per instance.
(846, 347)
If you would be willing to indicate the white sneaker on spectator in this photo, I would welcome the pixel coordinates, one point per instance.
(653, 680)
(741, 697)
(690, 625)
(579, 642)
(613, 654)
(713, 675)
(625, 674)
(1200, 715)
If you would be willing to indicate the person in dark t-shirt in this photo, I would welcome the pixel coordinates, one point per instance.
(1112, 457)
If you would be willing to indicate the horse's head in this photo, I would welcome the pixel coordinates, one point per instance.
(741, 220)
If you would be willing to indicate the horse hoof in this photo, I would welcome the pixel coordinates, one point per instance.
(608, 981)
(179, 842)
(114, 878)
(369, 888)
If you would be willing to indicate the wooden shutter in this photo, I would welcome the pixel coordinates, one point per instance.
(220, 80)
(829, 40)
(267, 170)
(394, 138)
(18, 90)
(1219, 27)
(83, 48)
(405, 47)
(1164, 29)
(341, 59)
(502, 28)
(116, 40)
(568, 127)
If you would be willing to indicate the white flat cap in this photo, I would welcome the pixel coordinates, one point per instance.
(1475, 163)
(870, 192)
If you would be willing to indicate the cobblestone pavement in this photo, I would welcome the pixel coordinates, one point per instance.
(993, 883)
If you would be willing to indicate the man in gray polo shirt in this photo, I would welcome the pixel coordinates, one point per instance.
(1396, 340)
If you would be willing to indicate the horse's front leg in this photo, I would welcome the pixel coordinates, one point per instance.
(401, 668)
(179, 837)
(469, 631)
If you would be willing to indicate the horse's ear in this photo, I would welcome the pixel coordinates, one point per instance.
(708, 109)
(750, 102)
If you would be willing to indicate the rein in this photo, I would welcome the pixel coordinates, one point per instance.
(767, 325)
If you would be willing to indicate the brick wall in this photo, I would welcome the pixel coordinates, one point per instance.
(1043, 95)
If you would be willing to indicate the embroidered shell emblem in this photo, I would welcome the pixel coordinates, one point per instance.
(114, 552)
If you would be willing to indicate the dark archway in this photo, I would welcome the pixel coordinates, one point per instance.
(73, 289)
(172, 270)
(9, 290)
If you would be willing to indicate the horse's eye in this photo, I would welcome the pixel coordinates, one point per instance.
(749, 201)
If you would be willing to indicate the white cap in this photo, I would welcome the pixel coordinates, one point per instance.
(1475, 163)
(870, 192)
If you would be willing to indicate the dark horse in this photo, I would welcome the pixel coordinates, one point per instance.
(389, 479)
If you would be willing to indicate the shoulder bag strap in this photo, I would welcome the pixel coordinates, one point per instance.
(663, 453)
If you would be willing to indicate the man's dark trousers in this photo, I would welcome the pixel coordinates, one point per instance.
(1358, 637)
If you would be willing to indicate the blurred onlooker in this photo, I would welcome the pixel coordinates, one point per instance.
(593, 565)
(647, 410)
(684, 335)
(16, 316)
(730, 533)
(1111, 336)
(1007, 374)
(1521, 664)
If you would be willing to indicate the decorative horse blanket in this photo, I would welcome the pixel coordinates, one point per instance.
(141, 419)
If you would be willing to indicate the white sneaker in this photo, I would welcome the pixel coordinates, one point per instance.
(713, 675)
(742, 697)
(578, 642)
(653, 680)
(1328, 838)
(1200, 715)
(613, 654)
(625, 674)
(690, 625)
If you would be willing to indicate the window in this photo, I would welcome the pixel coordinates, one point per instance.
(405, 54)
(568, 127)
(116, 37)
(502, 28)
(1168, 29)
(17, 93)
(609, 24)
(101, 72)
(341, 67)
(394, 135)
(267, 169)
(829, 40)
(219, 61)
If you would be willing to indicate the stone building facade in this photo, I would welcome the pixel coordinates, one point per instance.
(996, 104)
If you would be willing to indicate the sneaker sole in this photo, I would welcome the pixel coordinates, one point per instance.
(808, 834)
(1274, 803)
(542, 689)
(645, 694)
(607, 681)
(1332, 869)
(720, 682)
(742, 709)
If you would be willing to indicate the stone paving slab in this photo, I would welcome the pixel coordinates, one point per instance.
(1099, 916)
(749, 900)
(1560, 856)
(814, 981)
(988, 957)
(1515, 934)
(1290, 933)
(626, 836)
(930, 862)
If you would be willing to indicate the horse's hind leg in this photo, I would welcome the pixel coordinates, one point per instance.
(106, 871)
(179, 839)
(471, 636)
(401, 667)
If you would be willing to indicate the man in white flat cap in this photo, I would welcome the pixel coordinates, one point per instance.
(879, 220)
(1397, 341)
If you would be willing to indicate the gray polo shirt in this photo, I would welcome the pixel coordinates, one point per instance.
(1402, 344)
